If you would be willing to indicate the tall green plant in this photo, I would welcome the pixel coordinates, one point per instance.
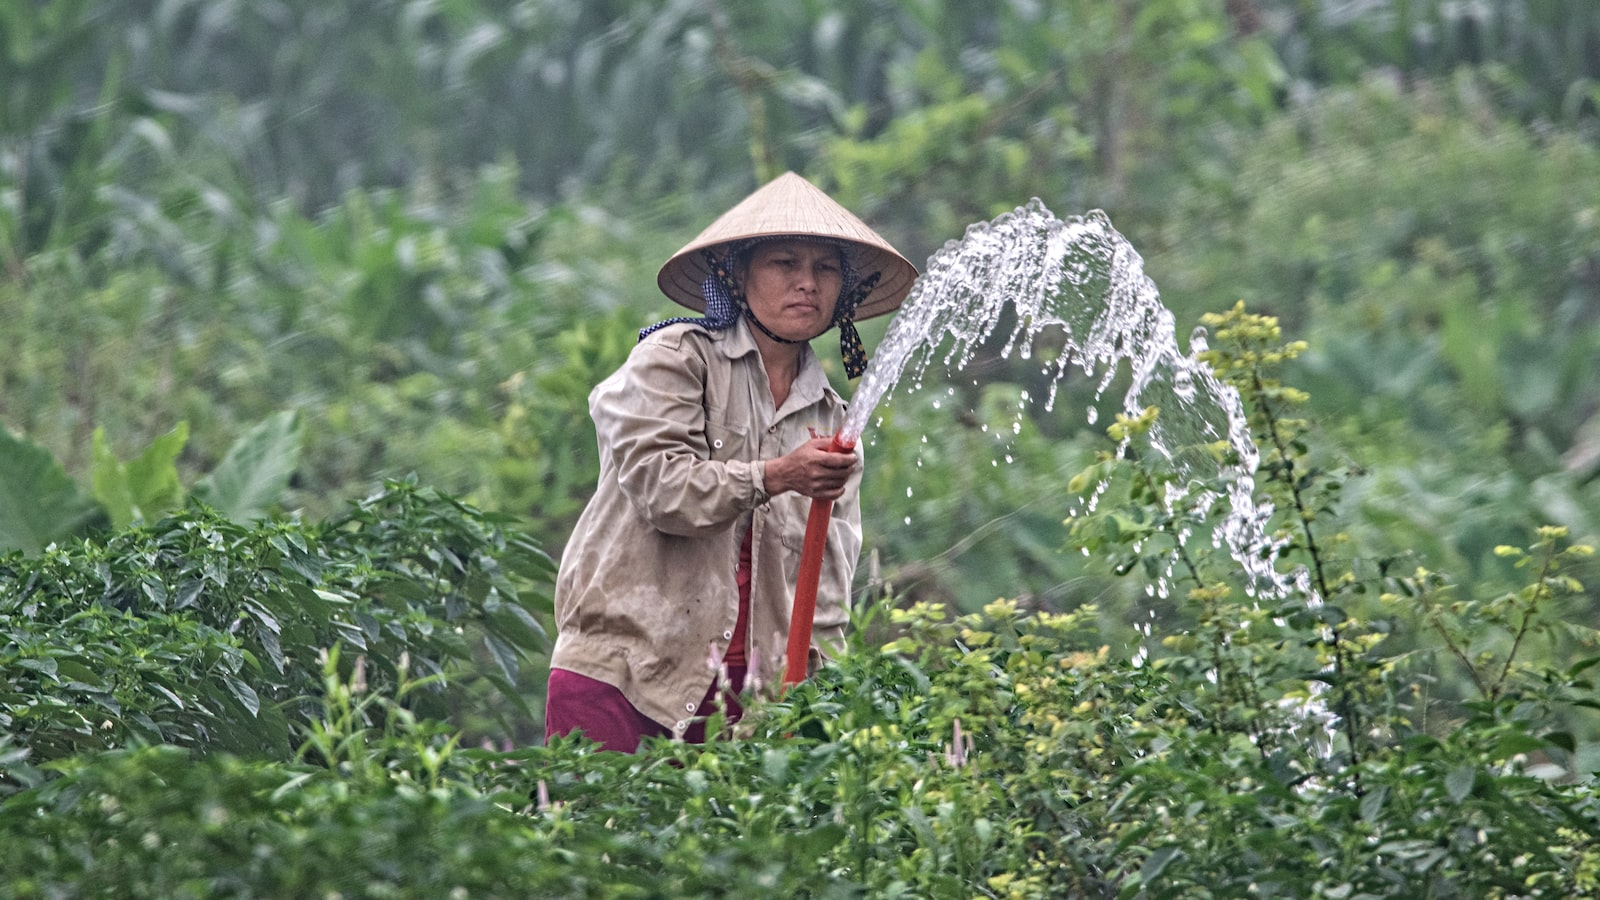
(1341, 587)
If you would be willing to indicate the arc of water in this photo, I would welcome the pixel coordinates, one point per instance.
(1078, 275)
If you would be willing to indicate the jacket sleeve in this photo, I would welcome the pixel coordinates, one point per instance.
(650, 421)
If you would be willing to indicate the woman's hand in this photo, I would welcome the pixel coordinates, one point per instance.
(811, 470)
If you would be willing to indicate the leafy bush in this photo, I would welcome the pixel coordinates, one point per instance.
(982, 756)
(200, 632)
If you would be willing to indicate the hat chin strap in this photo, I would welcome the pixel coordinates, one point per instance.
(751, 315)
(851, 351)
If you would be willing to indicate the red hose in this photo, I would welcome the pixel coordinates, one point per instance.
(805, 586)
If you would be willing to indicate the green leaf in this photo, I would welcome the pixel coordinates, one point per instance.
(39, 503)
(244, 694)
(1372, 803)
(1458, 784)
(108, 478)
(1157, 862)
(1577, 668)
(256, 469)
(1564, 740)
(504, 654)
(1516, 742)
(153, 474)
(43, 665)
(146, 487)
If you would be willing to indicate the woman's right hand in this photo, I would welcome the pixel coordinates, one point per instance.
(812, 470)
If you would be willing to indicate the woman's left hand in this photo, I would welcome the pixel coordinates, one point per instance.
(812, 470)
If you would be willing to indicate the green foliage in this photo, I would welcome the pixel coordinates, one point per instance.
(1539, 611)
(1448, 305)
(1346, 586)
(210, 213)
(256, 470)
(47, 506)
(996, 754)
(1473, 268)
(1083, 103)
(301, 100)
(383, 318)
(1538, 56)
(145, 486)
(40, 502)
(1271, 744)
(201, 632)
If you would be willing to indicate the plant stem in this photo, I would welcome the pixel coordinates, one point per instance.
(1455, 650)
(1536, 591)
(1345, 706)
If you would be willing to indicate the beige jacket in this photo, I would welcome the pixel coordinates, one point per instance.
(646, 598)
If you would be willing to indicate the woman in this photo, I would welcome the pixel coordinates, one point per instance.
(714, 439)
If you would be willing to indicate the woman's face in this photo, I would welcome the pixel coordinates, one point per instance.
(792, 286)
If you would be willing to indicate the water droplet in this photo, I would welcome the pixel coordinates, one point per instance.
(1183, 384)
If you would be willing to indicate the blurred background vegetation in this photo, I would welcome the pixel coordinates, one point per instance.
(429, 227)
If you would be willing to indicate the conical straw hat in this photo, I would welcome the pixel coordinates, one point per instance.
(792, 206)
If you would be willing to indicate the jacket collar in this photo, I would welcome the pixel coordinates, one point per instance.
(809, 386)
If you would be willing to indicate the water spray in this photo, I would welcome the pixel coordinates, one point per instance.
(1081, 278)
